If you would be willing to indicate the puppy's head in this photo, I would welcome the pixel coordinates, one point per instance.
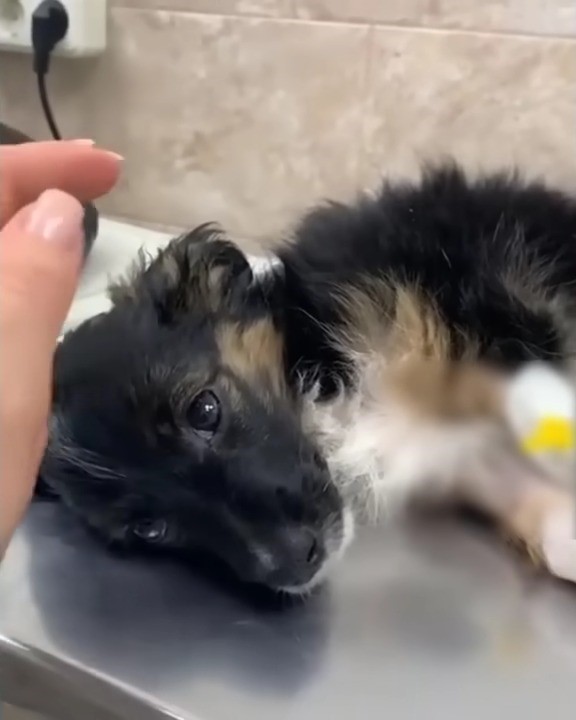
(174, 426)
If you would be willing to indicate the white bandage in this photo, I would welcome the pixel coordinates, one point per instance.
(541, 409)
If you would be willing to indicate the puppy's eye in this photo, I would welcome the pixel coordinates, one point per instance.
(152, 531)
(204, 413)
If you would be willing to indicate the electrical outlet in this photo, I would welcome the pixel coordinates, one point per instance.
(86, 30)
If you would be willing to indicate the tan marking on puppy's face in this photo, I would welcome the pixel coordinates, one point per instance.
(254, 352)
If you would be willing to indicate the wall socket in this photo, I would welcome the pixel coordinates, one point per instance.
(86, 32)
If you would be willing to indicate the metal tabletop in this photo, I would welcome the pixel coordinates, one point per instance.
(433, 619)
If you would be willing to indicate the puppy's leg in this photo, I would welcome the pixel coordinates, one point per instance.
(540, 516)
(527, 483)
(528, 486)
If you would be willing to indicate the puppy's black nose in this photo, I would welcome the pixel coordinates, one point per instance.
(297, 558)
(304, 547)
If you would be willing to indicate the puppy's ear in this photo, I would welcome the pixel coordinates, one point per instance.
(201, 271)
(267, 290)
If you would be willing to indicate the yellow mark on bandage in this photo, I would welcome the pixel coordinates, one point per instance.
(552, 434)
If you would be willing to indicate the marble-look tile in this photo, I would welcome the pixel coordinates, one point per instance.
(539, 17)
(401, 12)
(238, 120)
(488, 101)
(259, 8)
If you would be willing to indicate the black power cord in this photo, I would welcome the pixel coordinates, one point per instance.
(49, 27)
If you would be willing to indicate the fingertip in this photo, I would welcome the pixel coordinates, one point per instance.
(56, 217)
(84, 171)
(106, 172)
(40, 264)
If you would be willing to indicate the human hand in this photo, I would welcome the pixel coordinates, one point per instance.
(41, 249)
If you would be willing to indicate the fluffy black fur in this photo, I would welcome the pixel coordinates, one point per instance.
(496, 256)
(454, 239)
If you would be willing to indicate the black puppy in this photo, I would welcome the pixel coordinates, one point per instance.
(251, 414)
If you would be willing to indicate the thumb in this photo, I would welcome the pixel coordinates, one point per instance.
(40, 259)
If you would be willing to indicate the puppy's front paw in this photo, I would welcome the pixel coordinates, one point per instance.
(559, 543)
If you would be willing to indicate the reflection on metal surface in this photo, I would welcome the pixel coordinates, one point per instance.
(435, 620)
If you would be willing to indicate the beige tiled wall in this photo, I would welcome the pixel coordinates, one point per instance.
(246, 111)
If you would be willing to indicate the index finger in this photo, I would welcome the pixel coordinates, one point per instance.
(30, 168)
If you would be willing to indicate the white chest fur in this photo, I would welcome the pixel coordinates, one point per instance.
(383, 453)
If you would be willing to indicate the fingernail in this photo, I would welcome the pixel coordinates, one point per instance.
(90, 143)
(114, 155)
(57, 217)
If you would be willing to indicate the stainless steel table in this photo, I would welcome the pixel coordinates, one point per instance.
(431, 621)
